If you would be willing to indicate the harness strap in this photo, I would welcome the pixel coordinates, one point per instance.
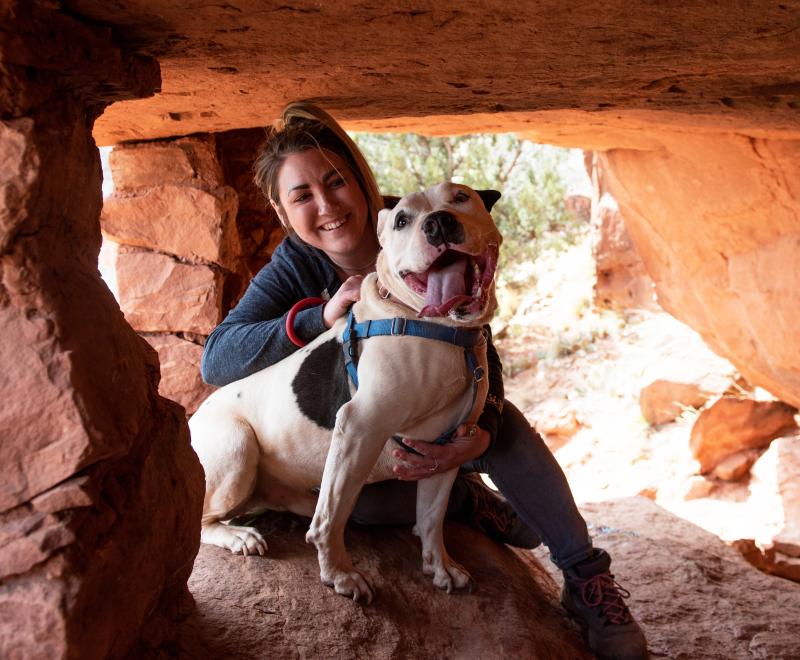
(467, 339)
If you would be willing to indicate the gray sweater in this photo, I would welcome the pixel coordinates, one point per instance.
(253, 335)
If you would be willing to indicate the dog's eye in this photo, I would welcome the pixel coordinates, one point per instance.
(460, 197)
(400, 221)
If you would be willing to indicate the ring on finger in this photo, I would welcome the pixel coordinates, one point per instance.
(472, 430)
(435, 466)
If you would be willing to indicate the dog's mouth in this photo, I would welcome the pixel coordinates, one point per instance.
(456, 282)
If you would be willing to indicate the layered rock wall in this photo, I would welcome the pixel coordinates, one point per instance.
(192, 230)
(101, 494)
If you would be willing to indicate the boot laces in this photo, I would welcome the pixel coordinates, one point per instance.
(604, 591)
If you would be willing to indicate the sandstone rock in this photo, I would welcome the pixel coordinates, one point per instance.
(775, 493)
(735, 466)
(276, 602)
(731, 425)
(698, 66)
(98, 475)
(188, 222)
(735, 282)
(159, 294)
(622, 281)
(190, 162)
(769, 560)
(180, 371)
(20, 165)
(651, 493)
(694, 596)
(44, 556)
(663, 401)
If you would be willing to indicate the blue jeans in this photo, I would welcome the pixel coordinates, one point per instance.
(528, 476)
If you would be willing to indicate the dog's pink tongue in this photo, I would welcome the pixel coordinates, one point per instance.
(446, 287)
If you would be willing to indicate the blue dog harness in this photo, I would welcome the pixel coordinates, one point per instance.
(467, 339)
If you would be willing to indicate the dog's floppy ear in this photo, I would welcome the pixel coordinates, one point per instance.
(489, 197)
(383, 218)
(390, 201)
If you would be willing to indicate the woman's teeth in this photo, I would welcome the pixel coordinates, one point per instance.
(333, 225)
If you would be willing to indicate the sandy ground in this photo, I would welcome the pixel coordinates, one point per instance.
(571, 366)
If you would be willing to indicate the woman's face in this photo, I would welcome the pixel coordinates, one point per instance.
(323, 203)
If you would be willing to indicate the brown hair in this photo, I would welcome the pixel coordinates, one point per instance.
(304, 126)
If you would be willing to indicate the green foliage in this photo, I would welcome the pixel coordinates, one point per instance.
(531, 214)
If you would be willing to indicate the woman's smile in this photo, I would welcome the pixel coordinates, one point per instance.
(334, 225)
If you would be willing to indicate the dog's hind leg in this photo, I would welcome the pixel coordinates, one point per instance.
(432, 496)
(229, 456)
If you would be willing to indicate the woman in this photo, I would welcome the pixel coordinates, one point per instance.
(326, 198)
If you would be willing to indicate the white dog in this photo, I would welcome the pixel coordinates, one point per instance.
(271, 440)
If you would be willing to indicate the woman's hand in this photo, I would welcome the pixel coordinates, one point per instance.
(348, 293)
(469, 442)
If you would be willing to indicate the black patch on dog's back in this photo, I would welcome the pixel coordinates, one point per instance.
(321, 384)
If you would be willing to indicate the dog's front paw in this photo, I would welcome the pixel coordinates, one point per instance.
(239, 540)
(248, 542)
(447, 574)
(351, 584)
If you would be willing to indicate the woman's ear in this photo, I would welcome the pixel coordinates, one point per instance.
(280, 213)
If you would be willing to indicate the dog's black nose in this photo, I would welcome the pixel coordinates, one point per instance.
(443, 227)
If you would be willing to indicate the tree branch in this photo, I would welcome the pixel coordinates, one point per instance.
(504, 176)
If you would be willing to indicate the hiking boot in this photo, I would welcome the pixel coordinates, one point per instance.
(489, 512)
(597, 602)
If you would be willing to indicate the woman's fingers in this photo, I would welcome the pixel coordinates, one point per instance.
(348, 293)
(432, 459)
(469, 442)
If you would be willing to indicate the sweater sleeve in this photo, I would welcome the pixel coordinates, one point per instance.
(492, 414)
(253, 335)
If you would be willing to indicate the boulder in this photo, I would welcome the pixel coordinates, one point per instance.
(180, 371)
(732, 424)
(663, 401)
(715, 220)
(769, 560)
(694, 596)
(159, 294)
(248, 605)
(775, 493)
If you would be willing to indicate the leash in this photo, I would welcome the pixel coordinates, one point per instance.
(398, 327)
